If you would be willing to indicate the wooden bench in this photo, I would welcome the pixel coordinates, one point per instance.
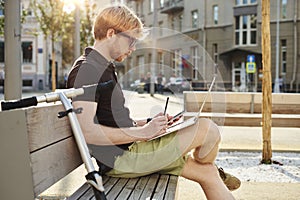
(37, 149)
(244, 109)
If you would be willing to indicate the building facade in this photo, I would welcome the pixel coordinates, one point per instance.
(193, 39)
(221, 37)
(35, 53)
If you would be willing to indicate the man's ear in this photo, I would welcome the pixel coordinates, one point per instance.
(110, 33)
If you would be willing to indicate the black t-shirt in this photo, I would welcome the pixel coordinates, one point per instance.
(93, 68)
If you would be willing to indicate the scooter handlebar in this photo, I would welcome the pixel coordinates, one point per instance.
(54, 96)
(22, 103)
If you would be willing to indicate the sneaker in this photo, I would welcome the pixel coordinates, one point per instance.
(231, 182)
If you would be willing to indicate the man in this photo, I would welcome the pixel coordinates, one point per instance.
(122, 146)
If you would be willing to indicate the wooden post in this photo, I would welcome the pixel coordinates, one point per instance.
(266, 83)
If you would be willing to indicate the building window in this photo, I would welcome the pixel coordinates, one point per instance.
(27, 83)
(1, 52)
(195, 62)
(283, 56)
(172, 22)
(195, 19)
(215, 56)
(177, 62)
(216, 14)
(150, 58)
(160, 25)
(245, 30)
(160, 56)
(180, 21)
(161, 3)
(283, 9)
(27, 52)
(245, 2)
(151, 6)
(141, 64)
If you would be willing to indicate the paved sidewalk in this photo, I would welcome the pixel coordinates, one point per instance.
(188, 190)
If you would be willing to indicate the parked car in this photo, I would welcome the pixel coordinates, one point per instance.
(138, 86)
(141, 87)
(180, 84)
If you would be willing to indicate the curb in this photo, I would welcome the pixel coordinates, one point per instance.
(257, 150)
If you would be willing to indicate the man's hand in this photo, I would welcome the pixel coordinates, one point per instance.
(155, 127)
(172, 120)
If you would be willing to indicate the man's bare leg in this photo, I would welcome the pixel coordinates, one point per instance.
(208, 177)
(203, 137)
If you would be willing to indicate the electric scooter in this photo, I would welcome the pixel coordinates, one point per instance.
(92, 177)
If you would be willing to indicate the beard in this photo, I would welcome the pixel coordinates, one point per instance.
(121, 58)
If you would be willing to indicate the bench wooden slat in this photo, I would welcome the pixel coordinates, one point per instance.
(138, 190)
(128, 188)
(53, 162)
(84, 189)
(88, 195)
(80, 192)
(110, 184)
(115, 191)
(161, 187)
(172, 187)
(44, 127)
(150, 186)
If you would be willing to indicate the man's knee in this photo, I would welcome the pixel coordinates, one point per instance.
(213, 134)
(210, 141)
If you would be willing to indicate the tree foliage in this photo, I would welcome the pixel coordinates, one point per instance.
(2, 18)
(50, 15)
(86, 37)
(52, 20)
(23, 17)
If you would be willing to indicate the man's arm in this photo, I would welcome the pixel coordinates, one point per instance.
(103, 135)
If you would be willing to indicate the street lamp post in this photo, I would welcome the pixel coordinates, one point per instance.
(12, 37)
(153, 71)
(276, 85)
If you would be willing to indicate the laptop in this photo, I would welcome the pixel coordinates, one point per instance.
(189, 122)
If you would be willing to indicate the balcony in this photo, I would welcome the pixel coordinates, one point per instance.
(172, 6)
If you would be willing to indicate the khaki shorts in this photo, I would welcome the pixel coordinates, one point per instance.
(161, 155)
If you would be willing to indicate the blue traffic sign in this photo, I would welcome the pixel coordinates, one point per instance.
(251, 58)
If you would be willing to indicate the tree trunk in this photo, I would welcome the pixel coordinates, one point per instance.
(266, 83)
